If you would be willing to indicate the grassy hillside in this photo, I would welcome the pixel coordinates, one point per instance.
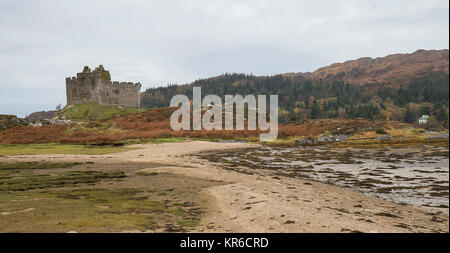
(93, 111)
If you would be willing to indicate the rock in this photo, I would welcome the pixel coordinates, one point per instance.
(323, 139)
(303, 141)
(50, 122)
(332, 138)
(39, 116)
(436, 135)
(383, 138)
(59, 121)
(342, 137)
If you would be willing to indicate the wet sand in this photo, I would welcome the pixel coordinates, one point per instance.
(248, 202)
(416, 175)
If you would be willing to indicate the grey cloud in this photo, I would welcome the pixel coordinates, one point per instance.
(160, 42)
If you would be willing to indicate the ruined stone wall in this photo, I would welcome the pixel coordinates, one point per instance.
(97, 87)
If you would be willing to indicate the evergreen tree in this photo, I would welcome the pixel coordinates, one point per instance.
(315, 110)
(409, 117)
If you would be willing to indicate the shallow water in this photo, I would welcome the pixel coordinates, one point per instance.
(418, 176)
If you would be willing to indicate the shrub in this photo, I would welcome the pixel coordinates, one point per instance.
(283, 134)
(420, 130)
(380, 130)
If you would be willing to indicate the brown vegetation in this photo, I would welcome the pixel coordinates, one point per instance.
(154, 124)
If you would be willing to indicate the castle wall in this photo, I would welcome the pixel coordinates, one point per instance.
(115, 93)
(96, 87)
(80, 91)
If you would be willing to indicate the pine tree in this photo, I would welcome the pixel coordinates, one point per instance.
(315, 110)
(409, 117)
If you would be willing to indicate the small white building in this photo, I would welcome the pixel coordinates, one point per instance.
(423, 119)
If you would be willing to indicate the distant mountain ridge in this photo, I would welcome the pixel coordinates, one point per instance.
(399, 87)
(393, 70)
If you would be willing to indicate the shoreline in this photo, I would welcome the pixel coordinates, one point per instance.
(262, 203)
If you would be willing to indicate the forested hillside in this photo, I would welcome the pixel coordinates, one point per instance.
(310, 99)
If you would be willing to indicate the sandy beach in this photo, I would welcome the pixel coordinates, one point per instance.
(245, 202)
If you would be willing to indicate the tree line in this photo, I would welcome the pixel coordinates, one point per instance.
(300, 100)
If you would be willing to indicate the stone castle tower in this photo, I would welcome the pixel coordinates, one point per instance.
(96, 87)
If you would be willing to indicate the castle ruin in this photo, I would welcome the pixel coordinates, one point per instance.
(96, 87)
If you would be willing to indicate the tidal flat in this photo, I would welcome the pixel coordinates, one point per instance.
(408, 175)
(167, 187)
(96, 197)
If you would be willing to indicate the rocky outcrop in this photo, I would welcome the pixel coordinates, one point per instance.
(39, 116)
(436, 135)
(8, 121)
(323, 139)
(383, 138)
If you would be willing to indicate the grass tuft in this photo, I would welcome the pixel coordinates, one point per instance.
(55, 148)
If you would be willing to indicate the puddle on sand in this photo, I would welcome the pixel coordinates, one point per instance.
(418, 176)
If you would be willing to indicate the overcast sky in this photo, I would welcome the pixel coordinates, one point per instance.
(161, 42)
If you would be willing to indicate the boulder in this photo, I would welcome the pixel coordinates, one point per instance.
(383, 138)
(323, 139)
(39, 116)
(303, 142)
